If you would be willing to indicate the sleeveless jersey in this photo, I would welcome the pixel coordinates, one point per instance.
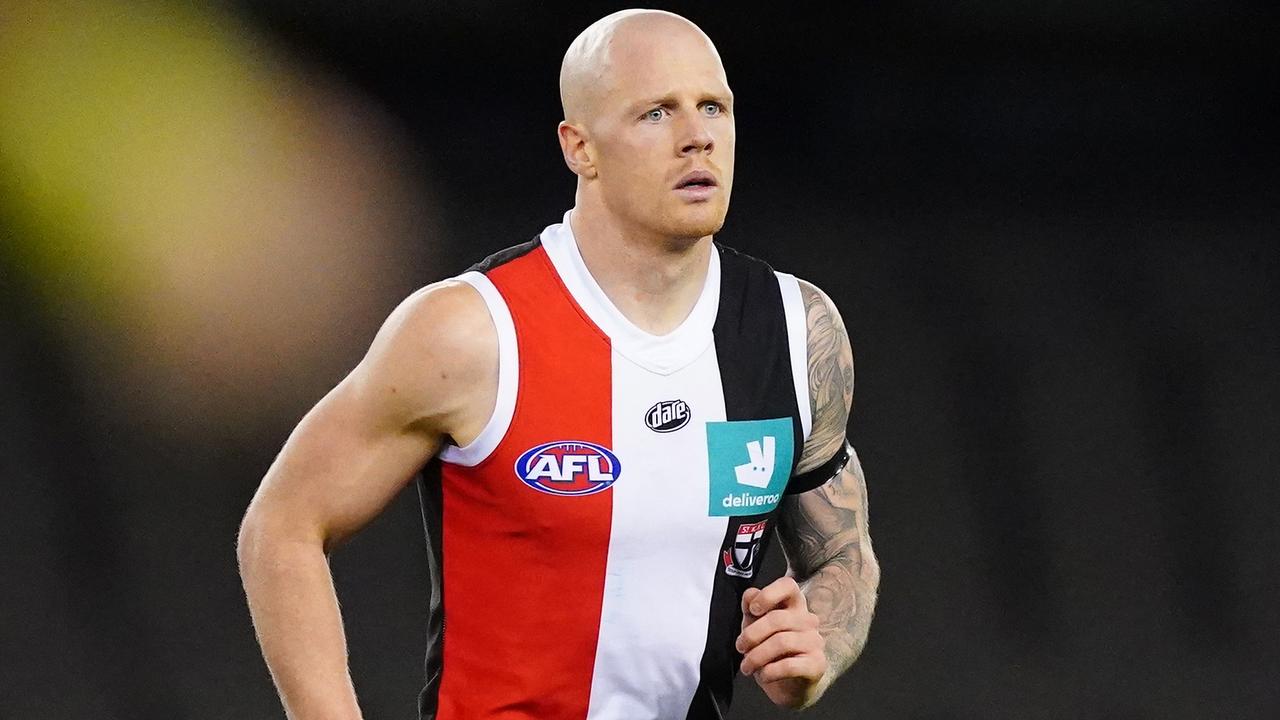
(590, 548)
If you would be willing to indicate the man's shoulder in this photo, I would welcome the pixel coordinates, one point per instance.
(818, 305)
(444, 320)
(742, 268)
(438, 340)
(743, 265)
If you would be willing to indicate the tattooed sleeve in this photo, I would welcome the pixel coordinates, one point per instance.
(824, 532)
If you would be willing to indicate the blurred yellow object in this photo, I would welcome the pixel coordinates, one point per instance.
(121, 130)
(218, 229)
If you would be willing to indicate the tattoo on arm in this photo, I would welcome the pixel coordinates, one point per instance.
(826, 538)
(825, 532)
(830, 377)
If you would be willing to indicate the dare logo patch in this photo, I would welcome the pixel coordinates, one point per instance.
(667, 416)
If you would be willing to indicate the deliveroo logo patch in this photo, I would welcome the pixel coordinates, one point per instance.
(750, 461)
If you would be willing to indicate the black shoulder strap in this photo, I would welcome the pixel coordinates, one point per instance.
(505, 256)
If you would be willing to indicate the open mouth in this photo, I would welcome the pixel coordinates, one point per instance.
(697, 179)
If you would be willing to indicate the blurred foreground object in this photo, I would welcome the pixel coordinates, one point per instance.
(213, 231)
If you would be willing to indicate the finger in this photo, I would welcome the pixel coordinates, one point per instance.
(747, 596)
(781, 645)
(759, 630)
(783, 592)
(774, 621)
(809, 667)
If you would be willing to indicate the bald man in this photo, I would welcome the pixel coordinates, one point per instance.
(608, 425)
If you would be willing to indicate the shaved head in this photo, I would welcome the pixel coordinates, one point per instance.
(647, 107)
(600, 53)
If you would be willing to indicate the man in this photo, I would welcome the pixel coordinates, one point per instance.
(612, 417)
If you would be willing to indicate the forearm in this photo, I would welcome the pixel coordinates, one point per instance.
(298, 623)
(843, 596)
(828, 544)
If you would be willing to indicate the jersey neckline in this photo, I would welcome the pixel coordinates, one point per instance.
(662, 354)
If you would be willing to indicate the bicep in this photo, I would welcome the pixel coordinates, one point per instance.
(343, 463)
(829, 376)
(363, 442)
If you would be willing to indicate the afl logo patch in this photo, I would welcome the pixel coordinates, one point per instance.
(568, 467)
(667, 416)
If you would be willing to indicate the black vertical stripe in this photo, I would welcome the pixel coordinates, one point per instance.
(429, 494)
(755, 373)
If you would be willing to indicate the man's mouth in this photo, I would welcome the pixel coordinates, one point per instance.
(697, 179)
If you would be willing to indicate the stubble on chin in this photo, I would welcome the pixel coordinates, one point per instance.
(693, 225)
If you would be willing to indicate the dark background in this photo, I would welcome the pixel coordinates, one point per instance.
(1051, 230)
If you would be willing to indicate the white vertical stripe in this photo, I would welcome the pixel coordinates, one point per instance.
(798, 342)
(660, 353)
(662, 549)
(508, 378)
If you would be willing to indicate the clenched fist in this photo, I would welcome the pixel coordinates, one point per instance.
(781, 644)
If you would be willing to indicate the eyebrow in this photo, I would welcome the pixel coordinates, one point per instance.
(670, 100)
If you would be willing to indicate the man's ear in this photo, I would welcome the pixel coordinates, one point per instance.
(574, 144)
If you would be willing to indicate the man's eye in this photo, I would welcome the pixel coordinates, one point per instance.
(654, 115)
(712, 109)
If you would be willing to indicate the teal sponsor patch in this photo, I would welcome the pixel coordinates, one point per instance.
(750, 461)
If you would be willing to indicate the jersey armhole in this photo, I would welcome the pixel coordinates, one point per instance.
(504, 405)
(798, 346)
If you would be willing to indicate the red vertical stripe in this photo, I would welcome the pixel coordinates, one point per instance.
(524, 570)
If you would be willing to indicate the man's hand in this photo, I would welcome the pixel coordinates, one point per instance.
(781, 644)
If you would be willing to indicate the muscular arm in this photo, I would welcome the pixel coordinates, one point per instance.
(345, 461)
(824, 532)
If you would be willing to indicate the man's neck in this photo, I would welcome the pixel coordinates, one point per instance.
(654, 281)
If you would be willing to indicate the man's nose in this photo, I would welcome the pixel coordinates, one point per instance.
(697, 137)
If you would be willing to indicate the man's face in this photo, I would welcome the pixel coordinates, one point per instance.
(667, 112)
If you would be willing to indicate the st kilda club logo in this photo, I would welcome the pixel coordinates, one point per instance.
(667, 416)
(740, 558)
